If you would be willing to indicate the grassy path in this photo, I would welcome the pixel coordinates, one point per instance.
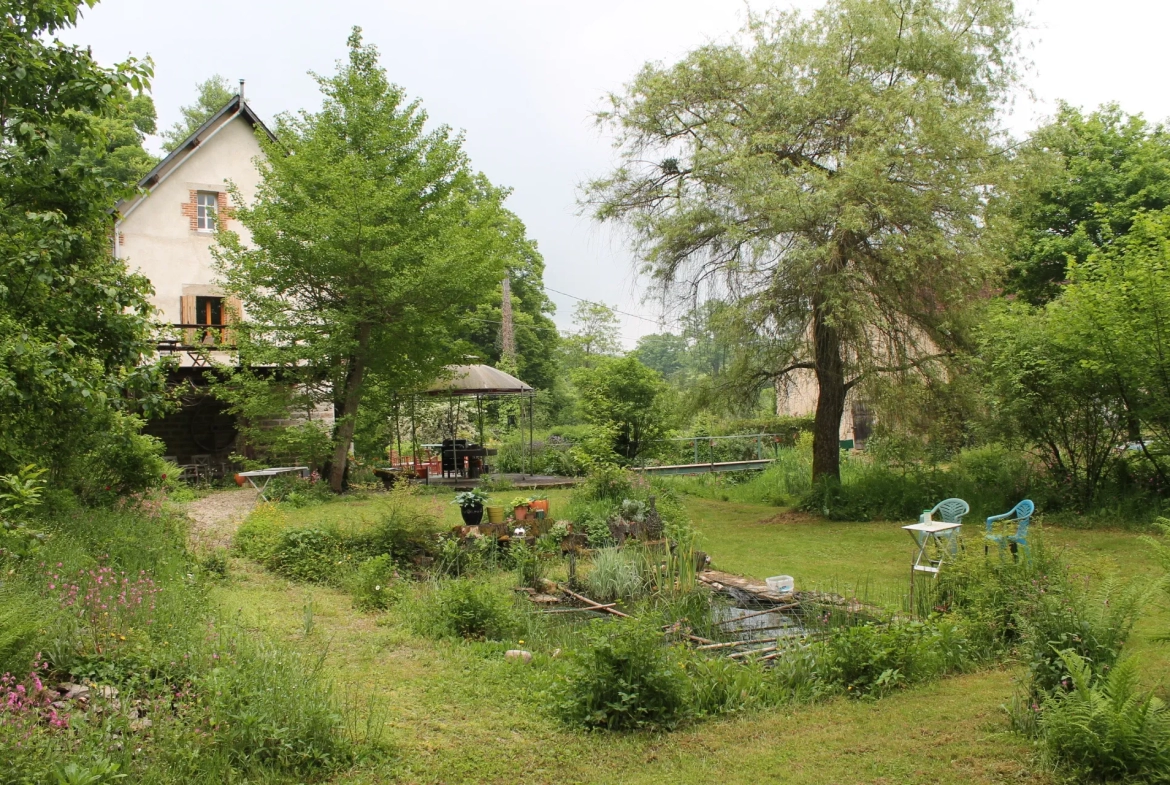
(455, 712)
(458, 713)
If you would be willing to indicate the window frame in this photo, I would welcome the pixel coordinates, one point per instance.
(206, 211)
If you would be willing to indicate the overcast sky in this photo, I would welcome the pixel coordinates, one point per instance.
(522, 78)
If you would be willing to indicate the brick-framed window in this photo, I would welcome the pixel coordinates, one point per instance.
(206, 208)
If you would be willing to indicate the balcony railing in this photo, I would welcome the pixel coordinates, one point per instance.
(196, 338)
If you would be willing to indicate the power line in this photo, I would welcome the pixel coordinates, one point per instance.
(603, 305)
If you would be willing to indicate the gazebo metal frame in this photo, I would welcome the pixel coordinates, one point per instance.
(480, 382)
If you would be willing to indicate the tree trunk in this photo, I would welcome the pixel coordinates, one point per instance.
(830, 372)
(352, 397)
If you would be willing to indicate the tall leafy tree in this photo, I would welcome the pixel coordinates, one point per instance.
(370, 239)
(596, 333)
(1114, 320)
(831, 169)
(1078, 184)
(74, 322)
(212, 94)
(627, 401)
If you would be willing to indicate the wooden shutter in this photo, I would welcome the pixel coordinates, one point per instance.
(233, 311)
(187, 316)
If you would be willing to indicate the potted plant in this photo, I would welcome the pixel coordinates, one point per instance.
(520, 508)
(539, 502)
(471, 506)
(495, 513)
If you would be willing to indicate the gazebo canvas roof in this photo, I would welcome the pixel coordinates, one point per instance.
(477, 380)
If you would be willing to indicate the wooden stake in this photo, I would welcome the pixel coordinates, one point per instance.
(595, 604)
(739, 654)
(729, 645)
(577, 610)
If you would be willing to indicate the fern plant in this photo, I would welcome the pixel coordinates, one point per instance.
(1106, 728)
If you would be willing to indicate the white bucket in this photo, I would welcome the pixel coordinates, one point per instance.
(782, 584)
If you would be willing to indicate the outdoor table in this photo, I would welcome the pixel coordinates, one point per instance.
(268, 474)
(939, 533)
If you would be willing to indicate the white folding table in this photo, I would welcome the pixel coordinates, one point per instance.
(942, 535)
(268, 474)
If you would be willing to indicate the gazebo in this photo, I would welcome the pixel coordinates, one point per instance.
(478, 381)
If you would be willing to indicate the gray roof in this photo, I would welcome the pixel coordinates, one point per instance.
(229, 111)
(477, 380)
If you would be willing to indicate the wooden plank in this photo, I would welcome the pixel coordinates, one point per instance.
(722, 580)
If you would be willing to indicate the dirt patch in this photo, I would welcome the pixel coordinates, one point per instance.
(215, 517)
(791, 516)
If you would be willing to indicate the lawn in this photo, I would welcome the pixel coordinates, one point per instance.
(459, 713)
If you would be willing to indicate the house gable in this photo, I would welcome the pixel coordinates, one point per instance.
(167, 231)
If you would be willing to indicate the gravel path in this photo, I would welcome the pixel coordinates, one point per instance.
(214, 518)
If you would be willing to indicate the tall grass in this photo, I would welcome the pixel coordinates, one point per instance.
(185, 696)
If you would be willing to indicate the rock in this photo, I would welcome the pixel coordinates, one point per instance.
(77, 692)
(107, 691)
(518, 655)
(140, 725)
(546, 599)
(556, 653)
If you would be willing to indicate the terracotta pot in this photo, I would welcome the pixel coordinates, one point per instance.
(241, 480)
(472, 515)
(520, 513)
(539, 504)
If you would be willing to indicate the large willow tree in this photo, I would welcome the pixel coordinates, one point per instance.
(370, 238)
(830, 171)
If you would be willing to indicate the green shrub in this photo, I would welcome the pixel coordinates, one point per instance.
(872, 659)
(375, 584)
(530, 562)
(464, 608)
(1105, 729)
(993, 594)
(403, 530)
(625, 678)
(606, 482)
(215, 564)
(296, 491)
(260, 534)
(311, 555)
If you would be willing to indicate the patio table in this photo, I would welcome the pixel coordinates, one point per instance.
(268, 474)
(941, 534)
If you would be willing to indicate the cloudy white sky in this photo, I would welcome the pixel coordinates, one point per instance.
(522, 77)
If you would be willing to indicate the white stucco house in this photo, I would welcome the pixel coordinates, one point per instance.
(166, 232)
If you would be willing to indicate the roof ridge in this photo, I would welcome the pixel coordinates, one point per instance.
(234, 107)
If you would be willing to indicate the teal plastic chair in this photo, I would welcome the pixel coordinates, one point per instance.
(948, 511)
(1021, 515)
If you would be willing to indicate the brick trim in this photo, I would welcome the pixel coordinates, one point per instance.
(190, 208)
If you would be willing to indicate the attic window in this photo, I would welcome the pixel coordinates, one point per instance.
(207, 204)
